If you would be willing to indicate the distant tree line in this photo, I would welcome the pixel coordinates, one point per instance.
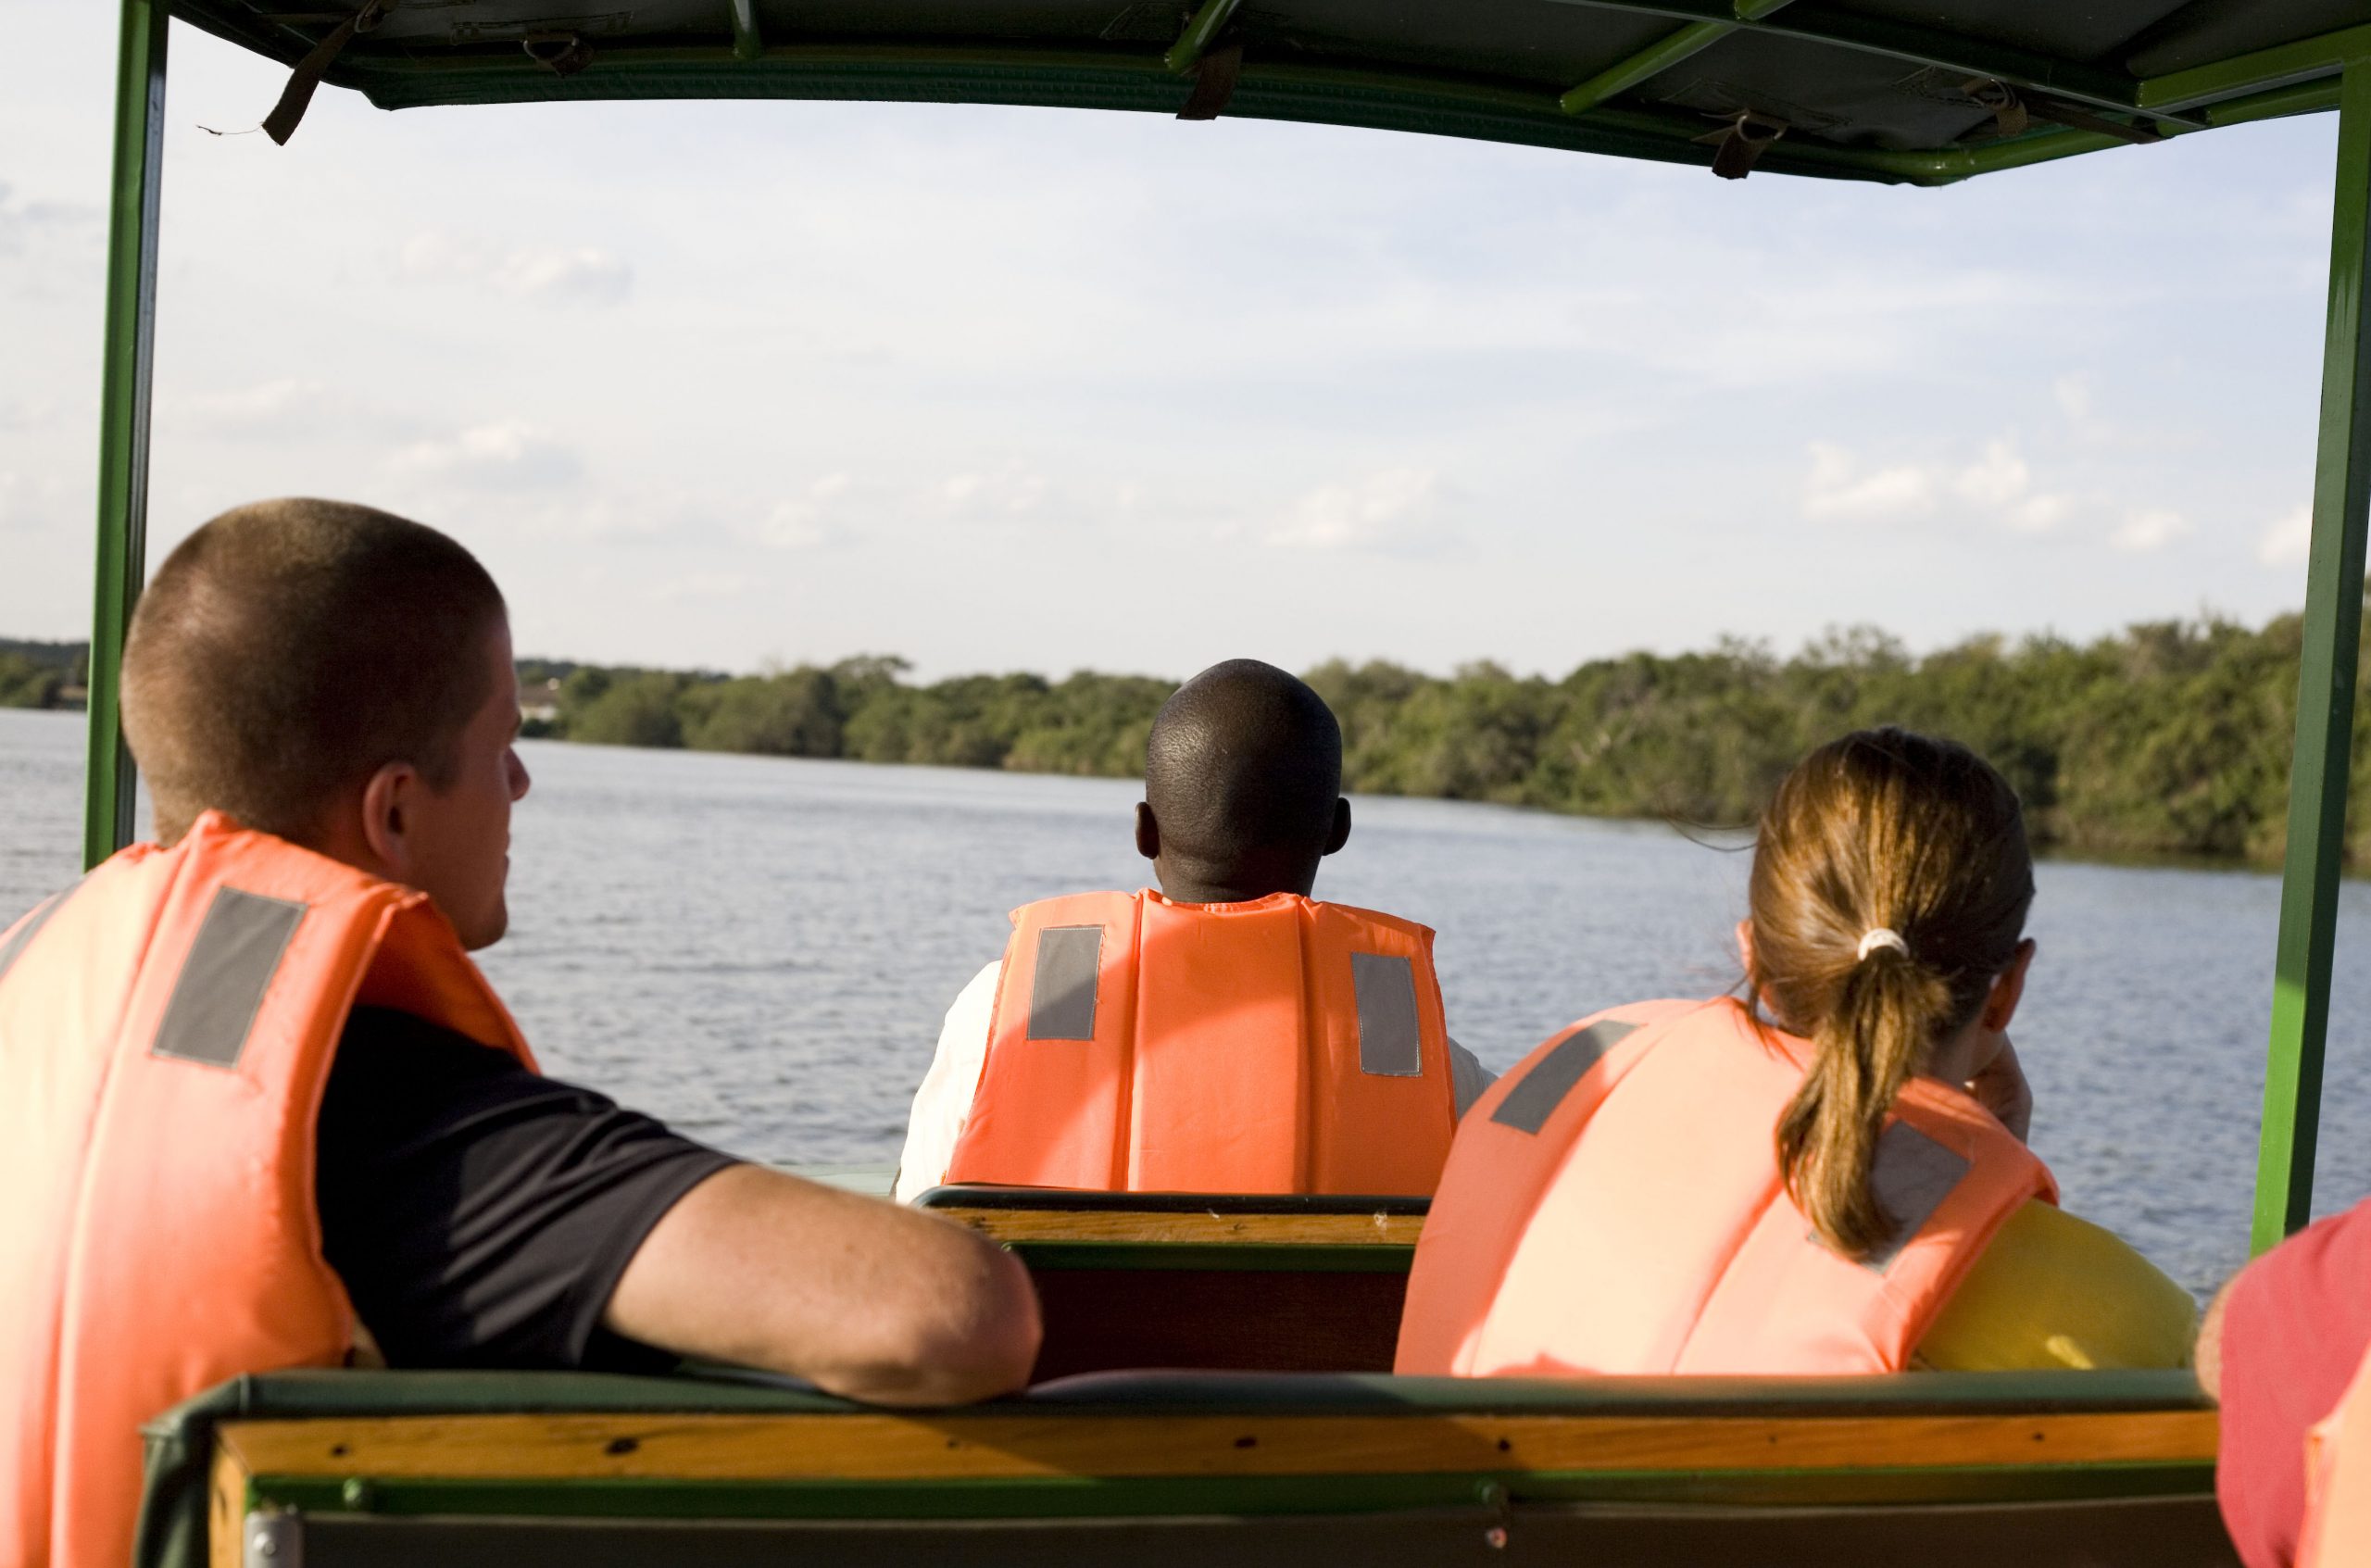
(40, 674)
(2170, 737)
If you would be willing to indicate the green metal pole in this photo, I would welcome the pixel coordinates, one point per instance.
(123, 415)
(2317, 776)
(1660, 56)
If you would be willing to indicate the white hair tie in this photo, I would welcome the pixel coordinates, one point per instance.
(1882, 936)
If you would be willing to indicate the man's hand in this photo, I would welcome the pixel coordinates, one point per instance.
(2000, 1087)
(859, 1296)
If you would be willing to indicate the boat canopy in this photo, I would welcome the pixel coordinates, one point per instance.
(1910, 90)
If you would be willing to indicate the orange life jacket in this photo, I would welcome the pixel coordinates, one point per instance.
(2337, 1483)
(1277, 1046)
(166, 1030)
(1614, 1205)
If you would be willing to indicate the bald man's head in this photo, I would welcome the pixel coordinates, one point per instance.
(1243, 786)
(289, 648)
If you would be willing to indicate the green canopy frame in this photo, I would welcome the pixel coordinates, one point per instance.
(2089, 108)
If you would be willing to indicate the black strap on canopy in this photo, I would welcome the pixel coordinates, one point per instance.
(282, 122)
(1214, 80)
(1740, 144)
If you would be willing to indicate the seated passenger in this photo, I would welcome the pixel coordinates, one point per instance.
(2284, 1350)
(253, 1089)
(1227, 1034)
(1811, 1180)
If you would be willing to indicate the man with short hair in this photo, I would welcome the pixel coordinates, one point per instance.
(253, 1090)
(1227, 1034)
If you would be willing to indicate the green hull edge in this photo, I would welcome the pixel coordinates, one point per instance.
(1171, 1497)
(181, 1450)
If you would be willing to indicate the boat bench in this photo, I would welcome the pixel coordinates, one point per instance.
(358, 1469)
(1246, 1283)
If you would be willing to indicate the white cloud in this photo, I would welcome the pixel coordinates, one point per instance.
(25, 413)
(288, 405)
(2001, 479)
(1010, 492)
(1997, 488)
(2037, 514)
(703, 586)
(30, 504)
(2290, 538)
(1396, 510)
(1837, 488)
(551, 272)
(2148, 529)
(22, 222)
(803, 522)
(507, 455)
(582, 272)
(2073, 395)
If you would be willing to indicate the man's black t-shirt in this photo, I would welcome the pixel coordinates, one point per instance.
(481, 1215)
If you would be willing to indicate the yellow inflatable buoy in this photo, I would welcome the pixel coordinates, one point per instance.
(2053, 1292)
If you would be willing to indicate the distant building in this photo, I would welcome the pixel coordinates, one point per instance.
(539, 701)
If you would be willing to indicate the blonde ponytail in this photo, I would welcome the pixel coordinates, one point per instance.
(1885, 1014)
(1890, 883)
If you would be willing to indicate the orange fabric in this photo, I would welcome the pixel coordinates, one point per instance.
(1645, 1227)
(159, 1233)
(2337, 1483)
(1225, 1056)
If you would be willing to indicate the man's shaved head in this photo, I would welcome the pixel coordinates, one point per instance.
(1243, 776)
(289, 649)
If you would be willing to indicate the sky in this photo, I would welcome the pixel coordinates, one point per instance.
(735, 384)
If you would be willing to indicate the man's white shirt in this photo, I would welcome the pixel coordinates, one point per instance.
(942, 1104)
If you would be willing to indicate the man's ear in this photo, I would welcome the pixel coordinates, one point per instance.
(1341, 834)
(387, 805)
(2008, 988)
(1148, 832)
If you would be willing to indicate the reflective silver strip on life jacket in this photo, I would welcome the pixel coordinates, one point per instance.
(1391, 1043)
(28, 928)
(1061, 994)
(221, 984)
(1910, 1178)
(1534, 1099)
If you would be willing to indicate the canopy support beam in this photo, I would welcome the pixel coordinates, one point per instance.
(2073, 81)
(109, 783)
(749, 43)
(2303, 61)
(2317, 774)
(1660, 56)
(1201, 32)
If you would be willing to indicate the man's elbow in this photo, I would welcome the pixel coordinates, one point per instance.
(972, 1339)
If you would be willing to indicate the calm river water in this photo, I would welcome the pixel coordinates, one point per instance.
(760, 951)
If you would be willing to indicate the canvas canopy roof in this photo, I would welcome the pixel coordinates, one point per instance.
(1924, 91)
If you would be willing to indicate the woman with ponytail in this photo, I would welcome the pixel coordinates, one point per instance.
(1828, 1175)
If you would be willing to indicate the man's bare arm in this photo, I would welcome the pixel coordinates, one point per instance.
(857, 1296)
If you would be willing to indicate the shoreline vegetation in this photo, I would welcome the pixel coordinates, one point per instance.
(2169, 738)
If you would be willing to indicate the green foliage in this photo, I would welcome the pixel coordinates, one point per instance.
(632, 707)
(794, 713)
(38, 674)
(24, 683)
(2172, 737)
